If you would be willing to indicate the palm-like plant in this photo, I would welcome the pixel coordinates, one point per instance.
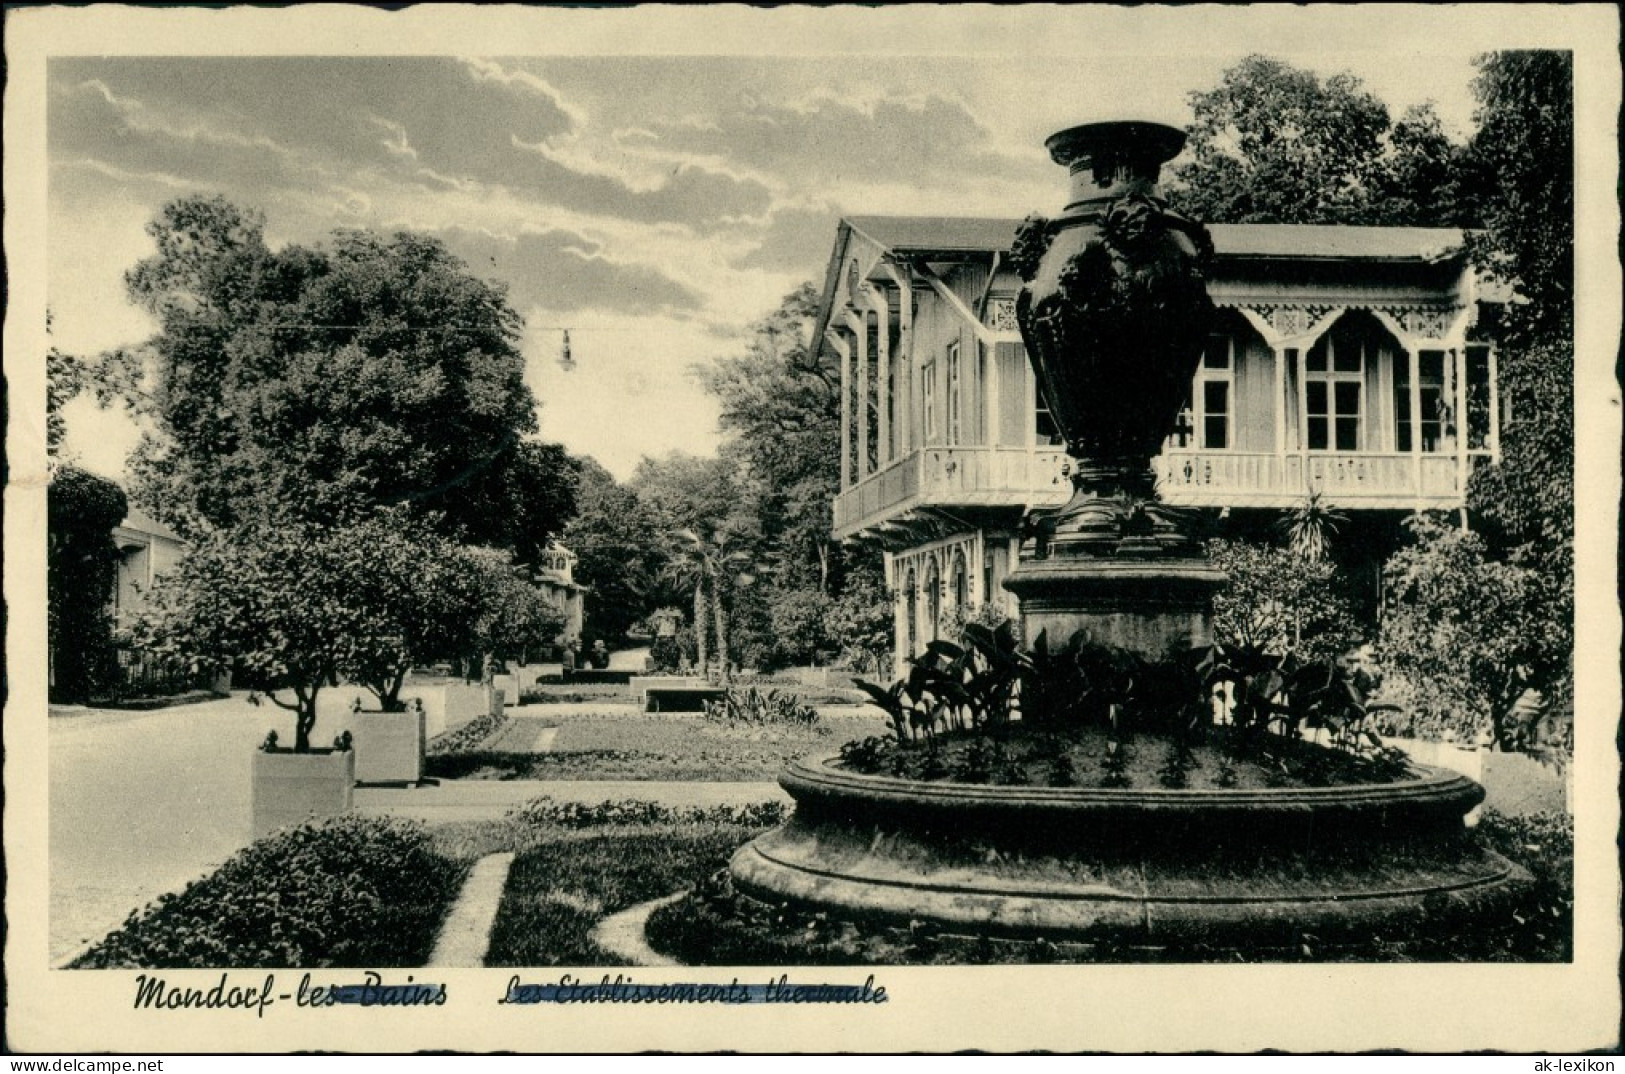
(1310, 526)
(711, 563)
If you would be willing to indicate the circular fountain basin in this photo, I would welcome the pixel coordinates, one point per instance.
(1138, 867)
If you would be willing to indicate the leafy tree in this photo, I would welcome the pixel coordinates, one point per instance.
(1525, 145)
(1524, 506)
(1468, 634)
(423, 593)
(82, 510)
(619, 553)
(781, 403)
(1276, 144)
(1424, 179)
(514, 617)
(64, 380)
(860, 619)
(278, 600)
(800, 618)
(321, 383)
(1278, 601)
(781, 406)
(686, 492)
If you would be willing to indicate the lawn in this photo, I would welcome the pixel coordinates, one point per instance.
(614, 746)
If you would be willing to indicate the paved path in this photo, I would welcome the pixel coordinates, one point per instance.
(142, 803)
(622, 934)
(467, 931)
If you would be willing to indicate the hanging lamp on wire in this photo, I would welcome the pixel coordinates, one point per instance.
(566, 362)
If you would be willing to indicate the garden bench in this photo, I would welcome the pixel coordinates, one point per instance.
(680, 698)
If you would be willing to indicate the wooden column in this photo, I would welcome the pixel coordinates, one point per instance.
(1493, 442)
(883, 394)
(1459, 361)
(859, 324)
(835, 341)
(908, 420)
(1413, 357)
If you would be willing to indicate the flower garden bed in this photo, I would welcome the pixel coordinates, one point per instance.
(349, 891)
(1089, 756)
(647, 747)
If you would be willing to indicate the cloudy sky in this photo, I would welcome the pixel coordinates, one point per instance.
(654, 205)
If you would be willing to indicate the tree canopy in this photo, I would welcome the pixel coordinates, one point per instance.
(1276, 144)
(618, 553)
(781, 410)
(325, 382)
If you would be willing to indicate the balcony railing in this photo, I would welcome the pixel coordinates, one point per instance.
(1022, 478)
(1347, 479)
(950, 477)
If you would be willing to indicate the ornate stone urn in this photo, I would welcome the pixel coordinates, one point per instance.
(1114, 313)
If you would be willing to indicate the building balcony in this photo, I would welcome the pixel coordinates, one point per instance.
(951, 477)
(1022, 478)
(1371, 480)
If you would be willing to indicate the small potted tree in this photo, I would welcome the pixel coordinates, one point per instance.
(272, 598)
(422, 596)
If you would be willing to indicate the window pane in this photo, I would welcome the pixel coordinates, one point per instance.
(1431, 363)
(1348, 434)
(1316, 392)
(1432, 400)
(1348, 397)
(1478, 397)
(1317, 434)
(1215, 432)
(1216, 397)
(1346, 356)
(1402, 436)
(1044, 426)
(1315, 360)
(1217, 353)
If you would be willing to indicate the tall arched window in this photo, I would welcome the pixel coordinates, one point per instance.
(933, 596)
(911, 614)
(961, 579)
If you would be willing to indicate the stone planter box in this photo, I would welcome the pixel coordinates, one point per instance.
(290, 787)
(449, 705)
(389, 746)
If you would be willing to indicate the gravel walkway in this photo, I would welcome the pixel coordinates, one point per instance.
(622, 934)
(467, 931)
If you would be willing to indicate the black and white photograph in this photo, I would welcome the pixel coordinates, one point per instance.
(916, 528)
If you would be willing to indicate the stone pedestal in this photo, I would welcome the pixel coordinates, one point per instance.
(1149, 607)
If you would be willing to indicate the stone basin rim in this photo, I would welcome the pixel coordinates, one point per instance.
(816, 777)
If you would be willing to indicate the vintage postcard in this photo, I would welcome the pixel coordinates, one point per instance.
(908, 528)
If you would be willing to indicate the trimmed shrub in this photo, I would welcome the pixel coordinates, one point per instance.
(348, 891)
(542, 811)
